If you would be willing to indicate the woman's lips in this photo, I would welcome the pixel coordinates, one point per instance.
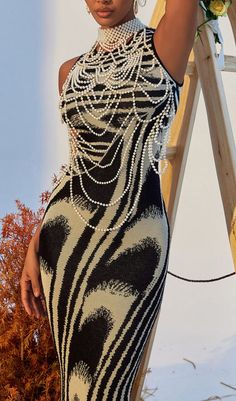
(104, 13)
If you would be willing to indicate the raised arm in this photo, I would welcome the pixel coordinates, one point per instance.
(174, 36)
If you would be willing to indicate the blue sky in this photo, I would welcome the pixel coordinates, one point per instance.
(21, 151)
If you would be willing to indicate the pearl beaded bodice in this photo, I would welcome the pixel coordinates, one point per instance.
(118, 106)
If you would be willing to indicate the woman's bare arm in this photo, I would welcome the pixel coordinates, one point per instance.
(174, 35)
(31, 285)
(64, 71)
(35, 239)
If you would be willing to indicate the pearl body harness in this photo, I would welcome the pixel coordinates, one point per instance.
(114, 70)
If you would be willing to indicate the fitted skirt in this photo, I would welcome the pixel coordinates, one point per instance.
(103, 289)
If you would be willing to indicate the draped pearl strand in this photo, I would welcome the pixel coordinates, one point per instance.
(80, 83)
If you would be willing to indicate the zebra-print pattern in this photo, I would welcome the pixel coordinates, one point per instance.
(104, 289)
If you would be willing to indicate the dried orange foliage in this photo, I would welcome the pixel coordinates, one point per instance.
(29, 369)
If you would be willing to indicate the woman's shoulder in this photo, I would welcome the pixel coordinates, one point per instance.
(68, 64)
(64, 70)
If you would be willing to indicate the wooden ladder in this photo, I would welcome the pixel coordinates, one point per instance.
(202, 73)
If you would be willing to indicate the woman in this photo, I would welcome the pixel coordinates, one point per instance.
(98, 261)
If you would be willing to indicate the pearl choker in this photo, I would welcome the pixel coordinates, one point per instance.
(111, 38)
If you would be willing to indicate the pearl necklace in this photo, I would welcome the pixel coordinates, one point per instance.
(110, 38)
(80, 85)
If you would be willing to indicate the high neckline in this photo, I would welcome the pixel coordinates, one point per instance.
(103, 51)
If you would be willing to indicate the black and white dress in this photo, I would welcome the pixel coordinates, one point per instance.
(103, 266)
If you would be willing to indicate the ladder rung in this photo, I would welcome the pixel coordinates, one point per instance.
(230, 65)
(171, 152)
(190, 68)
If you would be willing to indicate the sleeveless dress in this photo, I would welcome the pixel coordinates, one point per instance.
(104, 288)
